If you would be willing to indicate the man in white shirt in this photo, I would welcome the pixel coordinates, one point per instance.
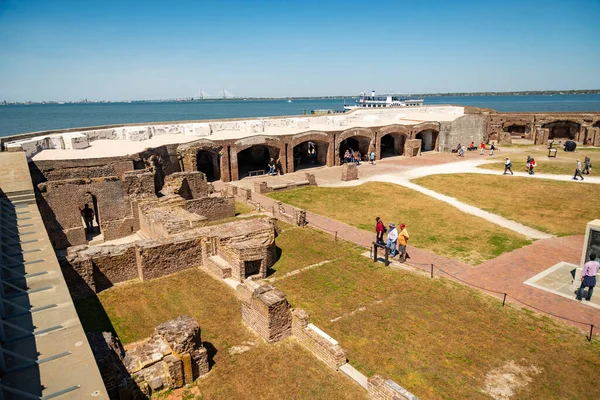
(507, 166)
(392, 239)
(577, 171)
(588, 277)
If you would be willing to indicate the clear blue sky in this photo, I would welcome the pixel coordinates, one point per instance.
(73, 49)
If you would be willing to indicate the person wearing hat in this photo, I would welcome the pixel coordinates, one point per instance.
(379, 230)
(392, 239)
(507, 166)
(402, 241)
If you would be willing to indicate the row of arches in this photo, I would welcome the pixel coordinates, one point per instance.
(251, 156)
(563, 129)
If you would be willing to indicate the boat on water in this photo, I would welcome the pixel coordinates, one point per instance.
(289, 101)
(370, 100)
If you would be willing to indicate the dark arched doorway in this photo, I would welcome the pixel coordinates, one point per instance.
(304, 157)
(516, 130)
(428, 139)
(355, 143)
(256, 158)
(392, 144)
(208, 162)
(562, 129)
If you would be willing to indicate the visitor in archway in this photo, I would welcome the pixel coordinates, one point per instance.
(392, 239)
(492, 148)
(588, 277)
(587, 165)
(402, 242)
(347, 156)
(482, 148)
(577, 171)
(507, 166)
(357, 157)
(379, 231)
(88, 216)
(279, 167)
(372, 157)
(271, 166)
(312, 153)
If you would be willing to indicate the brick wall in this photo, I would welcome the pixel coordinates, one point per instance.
(156, 259)
(330, 353)
(265, 310)
(381, 389)
(213, 208)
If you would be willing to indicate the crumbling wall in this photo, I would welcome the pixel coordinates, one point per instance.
(266, 310)
(156, 259)
(314, 340)
(213, 208)
(385, 389)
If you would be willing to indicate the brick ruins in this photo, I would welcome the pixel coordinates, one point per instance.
(172, 357)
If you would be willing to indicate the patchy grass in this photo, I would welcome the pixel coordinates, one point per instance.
(560, 208)
(281, 371)
(432, 224)
(317, 246)
(242, 208)
(437, 338)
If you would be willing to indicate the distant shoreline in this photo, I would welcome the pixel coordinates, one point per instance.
(456, 94)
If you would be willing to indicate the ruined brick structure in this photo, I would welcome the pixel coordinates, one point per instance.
(172, 357)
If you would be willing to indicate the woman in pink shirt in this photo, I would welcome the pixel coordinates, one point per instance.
(588, 277)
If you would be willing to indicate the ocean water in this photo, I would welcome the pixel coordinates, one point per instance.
(15, 119)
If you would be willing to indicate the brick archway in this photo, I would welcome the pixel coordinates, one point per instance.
(275, 147)
(363, 140)
(563, 129)
(204, 156)
(390, 140)
(299, 155)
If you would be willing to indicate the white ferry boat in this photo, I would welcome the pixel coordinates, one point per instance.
(366, 100)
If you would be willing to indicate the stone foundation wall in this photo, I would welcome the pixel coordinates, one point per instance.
(381, 389)
(167, 257)
(463, 130)
(213, 208)
(324, 348)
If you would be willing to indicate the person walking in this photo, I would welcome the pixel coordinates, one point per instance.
(587, 165)
(88, 217)
(507, 166)
(271, 166)
(279, 167)
(482, 148)
(588, 277)
(402, 241)
(531, 165)
(492, 148)
(379, 231)
(392, 239)
(372, 157)
(577, 171)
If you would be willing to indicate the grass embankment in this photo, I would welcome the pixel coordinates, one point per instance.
(560, 208)
(563, 164)
(284, 370)
(435, 337)
(432, 224)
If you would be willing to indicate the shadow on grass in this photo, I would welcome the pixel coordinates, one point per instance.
(92, 315)
(271, 270)
(211, 351)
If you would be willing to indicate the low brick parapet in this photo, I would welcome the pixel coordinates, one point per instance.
(385, 389)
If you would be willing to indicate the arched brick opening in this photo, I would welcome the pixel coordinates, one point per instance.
(517, 130)
(255, 158)
(310, 153)
(392, 144)
(354, 143)
(429, 138)
(208, 161)
(562, 129)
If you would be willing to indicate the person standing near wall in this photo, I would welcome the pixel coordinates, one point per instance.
(482, 148)
(392, 239)
(88, 217)
(577, 171)
(271, 166)
(492, 148)
(588, 277)
(587, 165)
(279, 167)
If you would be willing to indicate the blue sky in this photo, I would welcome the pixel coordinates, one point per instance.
(73, 49)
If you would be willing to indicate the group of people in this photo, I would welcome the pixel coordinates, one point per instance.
(587, 168)
(395, 239)
(275, 167)
(460, 149)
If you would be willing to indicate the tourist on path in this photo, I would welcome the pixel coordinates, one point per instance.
(507, 166)
(88, 217)
(588, 277)
(577, 171)
(587, 165)
(402, 241)
(482, 147)
(492, 148)
(271, 166)
(372, 157)
(531, 165)
(392, 239)
(379, 230)
(279, 167)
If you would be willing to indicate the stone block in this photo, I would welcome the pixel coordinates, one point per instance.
(349, 172)
(75, 141)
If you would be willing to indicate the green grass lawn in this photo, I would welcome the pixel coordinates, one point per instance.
(279, 371)
(437, 338)
(432, 224)
(560, 208)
